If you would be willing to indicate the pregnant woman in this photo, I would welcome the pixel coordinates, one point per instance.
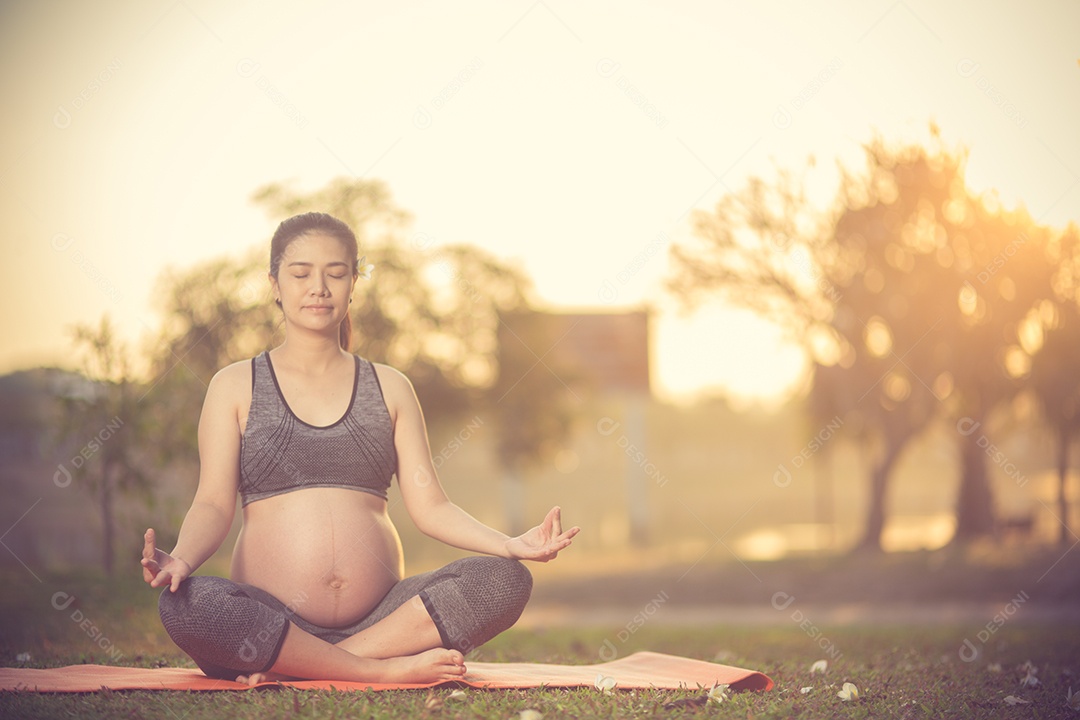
(309, 436)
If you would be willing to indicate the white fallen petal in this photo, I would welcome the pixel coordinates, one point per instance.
(1072, 700)
(23, 657)
(530, 714)
(605, 683)
(1013, 700)
(819, 666)
(457, 695)
(850, 692)
(718, 693)
(1029, 681)
(994, 667)
(803, 691)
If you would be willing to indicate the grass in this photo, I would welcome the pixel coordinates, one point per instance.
(901, 671)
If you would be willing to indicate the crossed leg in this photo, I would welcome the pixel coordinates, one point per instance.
(419, 632)
(402, 647)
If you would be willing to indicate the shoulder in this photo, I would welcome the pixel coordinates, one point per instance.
(397, 389)
(231, 384)
(392, 380)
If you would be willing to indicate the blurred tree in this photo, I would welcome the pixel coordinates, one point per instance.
(214, 313)
(1000, 261)
(826, 277)
(431, 311)
(532, 401)
(103, 415)
(1054, 337)
(879, 292)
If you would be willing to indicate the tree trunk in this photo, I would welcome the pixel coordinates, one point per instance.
(824, 517)
(1063, 479)
(637, 493)
(514, 501)
(107, 518)
(879, 482)
(975, 501)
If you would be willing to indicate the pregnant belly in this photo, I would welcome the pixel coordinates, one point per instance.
(329, 554)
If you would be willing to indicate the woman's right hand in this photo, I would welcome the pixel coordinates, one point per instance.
(159, 567)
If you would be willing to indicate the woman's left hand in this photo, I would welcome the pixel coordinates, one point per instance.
(544, 541)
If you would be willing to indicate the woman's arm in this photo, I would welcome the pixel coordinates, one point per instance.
(426, 501)
(210, 516)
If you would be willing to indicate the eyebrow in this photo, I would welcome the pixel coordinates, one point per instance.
(307, 264)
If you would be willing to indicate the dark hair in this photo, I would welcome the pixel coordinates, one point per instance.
(311, 223)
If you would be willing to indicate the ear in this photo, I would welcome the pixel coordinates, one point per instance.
(274, 286)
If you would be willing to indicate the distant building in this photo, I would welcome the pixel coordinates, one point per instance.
(606, 352)
(602, 357)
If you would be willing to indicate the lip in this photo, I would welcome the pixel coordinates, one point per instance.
(319, 307)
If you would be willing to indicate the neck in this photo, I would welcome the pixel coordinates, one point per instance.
(315, 353)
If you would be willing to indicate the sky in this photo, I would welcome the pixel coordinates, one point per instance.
(575, 140)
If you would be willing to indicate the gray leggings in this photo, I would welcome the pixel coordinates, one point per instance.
(232, 629)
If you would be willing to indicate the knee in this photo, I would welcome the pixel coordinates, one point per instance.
(502, 579)
(186, 599)
(513, 574)
(194, 609)
(224, 631)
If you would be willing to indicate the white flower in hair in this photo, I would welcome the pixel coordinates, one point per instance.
(365, 268)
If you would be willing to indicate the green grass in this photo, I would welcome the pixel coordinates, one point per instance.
(901, 672)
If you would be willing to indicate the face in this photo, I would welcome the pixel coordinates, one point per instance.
(314, 282)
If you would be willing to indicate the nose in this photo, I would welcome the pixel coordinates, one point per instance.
(318, 286)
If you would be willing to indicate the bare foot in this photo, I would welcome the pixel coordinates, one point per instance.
(256, 678)
(437, 665)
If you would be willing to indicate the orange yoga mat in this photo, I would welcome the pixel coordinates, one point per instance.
(640, 670)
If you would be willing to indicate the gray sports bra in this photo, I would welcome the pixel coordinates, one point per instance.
(280, 453)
